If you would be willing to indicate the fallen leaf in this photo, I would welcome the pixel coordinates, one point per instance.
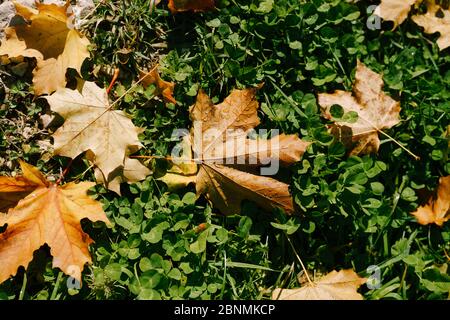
(163, 88)
(226, 188)
(436, 19)
(183, 170)
(219, 141)
(437, 210)
(49, 38)
(50, 74)
(12, 189)
(395, 10)
(12, 46)
(176, 6)
(342, 285)
(132, 171)
(92, 125)
(51, 215)
(376, 111)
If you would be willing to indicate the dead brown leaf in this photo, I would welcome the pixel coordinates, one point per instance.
(376, 110)
(437, 210)
(163, 88)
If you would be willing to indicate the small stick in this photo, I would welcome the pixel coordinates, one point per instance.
(113, 81)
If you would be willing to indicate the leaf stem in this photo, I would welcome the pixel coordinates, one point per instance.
(416, 157)
(390, 138)
(114, 79)
(300, 260)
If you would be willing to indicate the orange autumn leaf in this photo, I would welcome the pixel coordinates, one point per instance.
(51, 214)
(176, 6)
(12, 189)
(437, 210)
(163, 88)
(49, 37)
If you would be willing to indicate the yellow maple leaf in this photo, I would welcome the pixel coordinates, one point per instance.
(50, 39)
(92, 126)
(395, 10)
(342, 285)
(436, 19)
(51, 215)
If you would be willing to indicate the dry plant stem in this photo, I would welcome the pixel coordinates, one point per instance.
(58, 182)
(392, 139)
(300, 260)
(167, 158)
(113, 81)
(93, 10)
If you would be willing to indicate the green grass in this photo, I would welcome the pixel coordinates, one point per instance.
(354, 212)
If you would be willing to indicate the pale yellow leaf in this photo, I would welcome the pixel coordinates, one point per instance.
(132, 171)
(436, 19)
(91, 125)
(342, 285)
(50, 39)
(395, 10)
(50, 74)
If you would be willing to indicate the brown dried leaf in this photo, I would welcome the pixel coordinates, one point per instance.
(437, 210)
(219, 136)
(376, 111)
(226, 188)
(163, 88)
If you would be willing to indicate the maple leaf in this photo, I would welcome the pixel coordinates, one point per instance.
(132, 171)
(376, 111)
(436, 19)
(163, 88)
(92, 126)
(342, 285)
(395, 10)
(176, 6)
(48, 38)
(183, 170)
(51, 215)
(437, 210)
(12, 189)
(219, 138)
